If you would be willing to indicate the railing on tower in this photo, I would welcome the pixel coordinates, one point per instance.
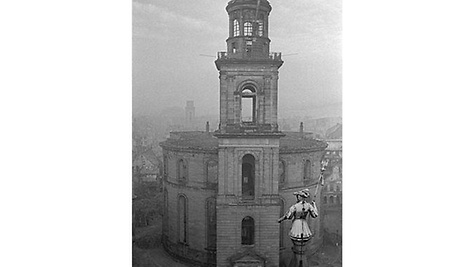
(273, 56)
(222, 55)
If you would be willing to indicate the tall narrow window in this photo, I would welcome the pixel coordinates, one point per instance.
(248, 170)
(182, 171)
(248, 104)
(307, 170)
(182, 219)
(260, 29)
(247, 231)
(337, 199)
(281, 172)
(331, 199)
(325, 200)
(212, 172)
(235, 27)
(211, 222)
(247, 28)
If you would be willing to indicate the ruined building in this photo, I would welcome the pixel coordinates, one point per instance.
(225, 190)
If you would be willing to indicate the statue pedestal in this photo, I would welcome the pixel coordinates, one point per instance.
(300, 258)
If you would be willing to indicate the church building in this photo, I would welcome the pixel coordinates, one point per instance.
(225, 190)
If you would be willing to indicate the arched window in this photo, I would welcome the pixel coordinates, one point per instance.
(247, 231)
(182, 171)
(182, 219)
(325, 200)
(282, 172)
(248, 175)
(331, 199)
(337, 188)
(307, 170)
(248, 104)
(233, 47)
(337, 199)
(235, 27)
(212, 172)
(260, 29)
(247, 28)
(211, 223)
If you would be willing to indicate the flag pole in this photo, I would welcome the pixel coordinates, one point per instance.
(321, 180)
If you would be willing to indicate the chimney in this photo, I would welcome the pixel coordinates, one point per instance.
(301, 128)
(207, 126)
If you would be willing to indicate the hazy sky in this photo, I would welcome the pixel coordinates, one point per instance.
(169, 36)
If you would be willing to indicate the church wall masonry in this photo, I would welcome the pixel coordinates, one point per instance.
(247, 167)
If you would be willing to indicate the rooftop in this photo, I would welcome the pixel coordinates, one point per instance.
(293, 142)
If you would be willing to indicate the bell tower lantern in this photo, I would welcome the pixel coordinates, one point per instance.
(248, 29)
(248, 71)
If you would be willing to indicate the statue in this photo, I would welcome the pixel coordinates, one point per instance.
(298, 214)
(300, 233)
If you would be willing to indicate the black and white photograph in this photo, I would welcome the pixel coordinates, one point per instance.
(237, 133)
(163, 133)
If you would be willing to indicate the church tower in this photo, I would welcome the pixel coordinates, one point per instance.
(247, 203)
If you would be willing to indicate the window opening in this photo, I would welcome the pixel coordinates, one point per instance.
(247, 231)
(212, 172)
(248, 176)
(247, 28)
(182, 175)
(281, 172)
(211, 222)
(236, 28)
(233, 47)
(182, 217)
(260, 28)
(307, 170)
(248, 105)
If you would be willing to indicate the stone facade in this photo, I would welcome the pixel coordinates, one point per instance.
(197, 150)
(224, 192)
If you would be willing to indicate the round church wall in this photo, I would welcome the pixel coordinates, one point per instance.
(190, 189)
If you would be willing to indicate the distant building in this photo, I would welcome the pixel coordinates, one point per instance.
(146, 167)
(189, 115)
(332, 193)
